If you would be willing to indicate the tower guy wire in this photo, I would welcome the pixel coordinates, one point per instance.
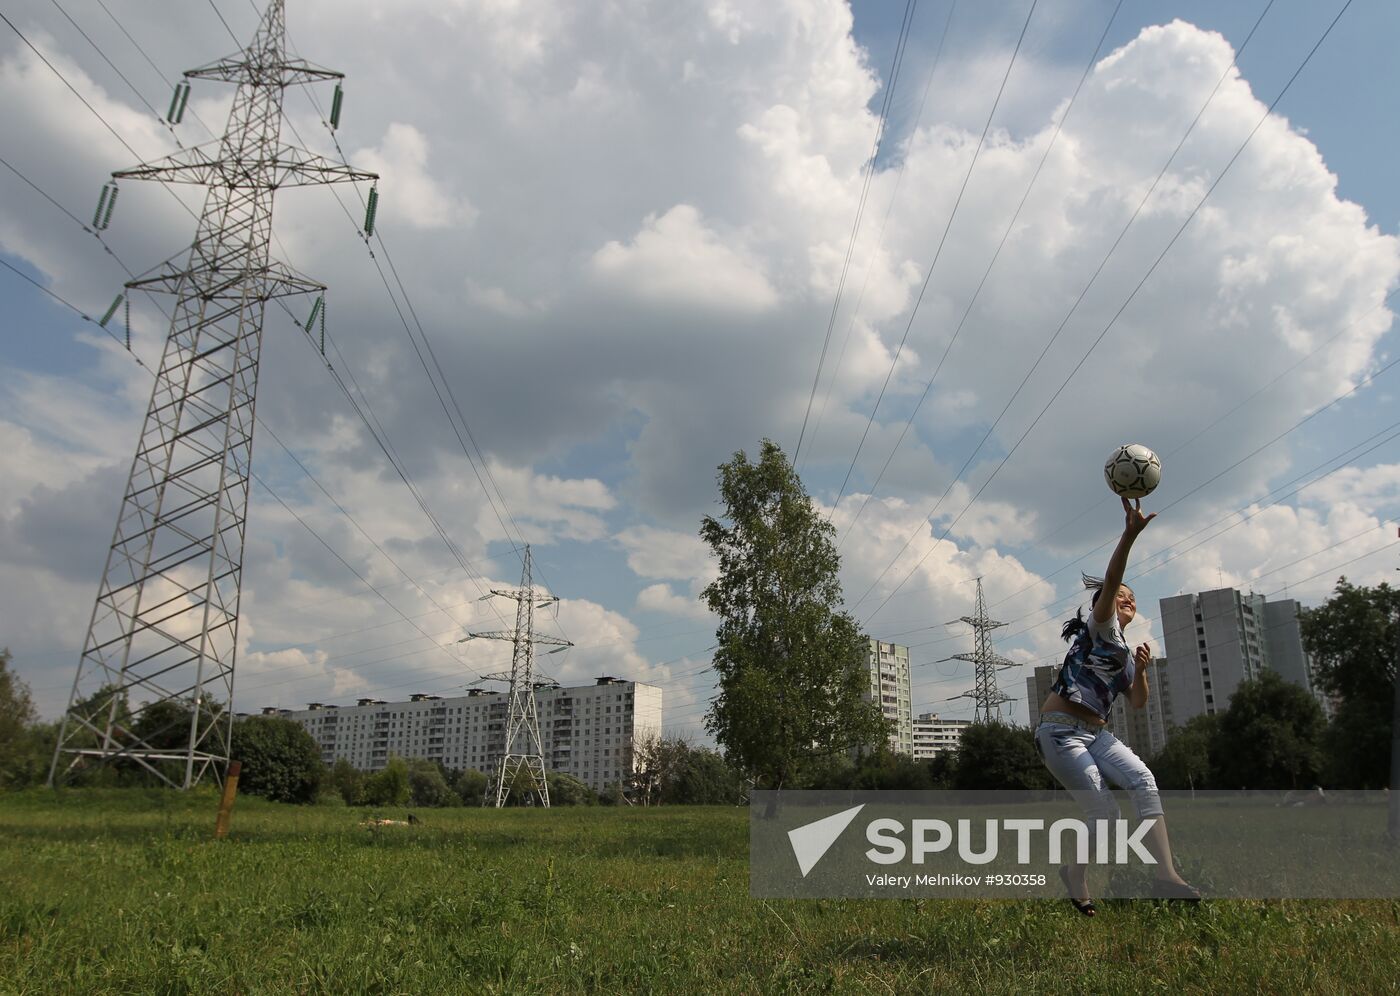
(521, 747)
(165, 624)
(986, 693)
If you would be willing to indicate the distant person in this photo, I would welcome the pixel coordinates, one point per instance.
(1071, 738)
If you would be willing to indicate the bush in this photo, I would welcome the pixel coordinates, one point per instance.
(704, 779)
(470, 787)
(349, 781)
(389, 787)
(281, 761)
(999, 756)
(428, 785)
(566, 790)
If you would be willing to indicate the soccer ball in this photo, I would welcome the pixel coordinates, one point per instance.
(1132, 471)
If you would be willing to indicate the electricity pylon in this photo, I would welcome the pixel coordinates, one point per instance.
(986, 661)
(165, 623)
(522, 731)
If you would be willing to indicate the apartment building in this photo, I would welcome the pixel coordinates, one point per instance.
(933, 736)
(587, 731)
(890, 686)
(1219, 638)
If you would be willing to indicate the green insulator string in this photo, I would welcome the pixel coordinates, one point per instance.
(106, 201)
(370, 209)
(178, 100)
(111, 310)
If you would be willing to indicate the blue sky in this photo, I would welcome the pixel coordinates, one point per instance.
(623, 240)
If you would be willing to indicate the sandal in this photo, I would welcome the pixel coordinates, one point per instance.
(1084, 906)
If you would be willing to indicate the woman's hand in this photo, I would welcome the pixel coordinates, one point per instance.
(1137, 692)
(1135, 522)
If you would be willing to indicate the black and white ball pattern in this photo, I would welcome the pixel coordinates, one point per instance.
(1133, 471)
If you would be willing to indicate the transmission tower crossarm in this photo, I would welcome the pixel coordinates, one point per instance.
(981, 623)
(995, 660)
(290, 166)
(509, 634)
(275, 278)
(286, 72)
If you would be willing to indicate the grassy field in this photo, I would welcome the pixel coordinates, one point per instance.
(126, 892)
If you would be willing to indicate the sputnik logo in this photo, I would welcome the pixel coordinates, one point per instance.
(812, 840)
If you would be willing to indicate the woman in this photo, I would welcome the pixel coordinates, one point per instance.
(1071, 738)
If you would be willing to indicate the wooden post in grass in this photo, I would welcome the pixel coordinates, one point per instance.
(226, 803)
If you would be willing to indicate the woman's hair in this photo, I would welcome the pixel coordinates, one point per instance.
(1073, 627)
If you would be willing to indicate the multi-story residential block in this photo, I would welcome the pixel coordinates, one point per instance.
(890, 687)
(588, 731)
(1214, 641)
(933, 736)
(1219, 638)
(1283, 643)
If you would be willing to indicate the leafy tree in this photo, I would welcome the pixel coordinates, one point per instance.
(942, 768)
(566, 790)
(612, 795)
(165, 725)
(16, 706)
(427, 785)
(1352, 640)
(281, 761)
(658, 761)
(705, 779)
(888, 771)
(106, 702)
(1270, 737)
(389, 786)
(24, 761)
(17, 736)
(835, 771)
(999, 756)
(470, 787)
(1185, 761)
(791, 665)
(348, 780)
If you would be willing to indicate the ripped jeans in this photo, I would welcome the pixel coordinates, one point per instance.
(1087, 763)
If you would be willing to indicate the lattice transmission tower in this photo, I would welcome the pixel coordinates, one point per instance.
(986, 662)
(164, 628)
(522, 748)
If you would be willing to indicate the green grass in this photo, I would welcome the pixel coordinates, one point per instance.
(126, 892)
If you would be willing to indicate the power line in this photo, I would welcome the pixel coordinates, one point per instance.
(1064, 321)
(1394, 431)
(122, 76)
(1278, 500)
(976, 294)
(936, 255)
(884, 223)
(1237, 406)
(334, 374)
(1131, 296)
(869, 171)
(196, 402)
